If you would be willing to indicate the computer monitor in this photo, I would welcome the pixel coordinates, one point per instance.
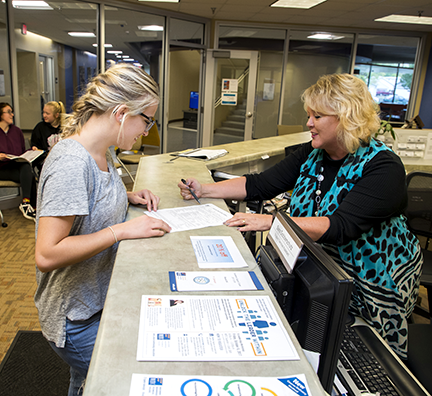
(193, 100)
(314, 298)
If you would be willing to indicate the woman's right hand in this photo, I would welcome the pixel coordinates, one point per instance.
(3, 156)
(193, 184)
(141, 227)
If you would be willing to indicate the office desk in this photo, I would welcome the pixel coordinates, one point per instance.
(142, 267)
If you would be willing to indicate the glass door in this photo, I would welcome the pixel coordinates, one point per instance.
(230, 96)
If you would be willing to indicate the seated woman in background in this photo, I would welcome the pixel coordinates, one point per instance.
(349, 195)
(47, 132)
(12, 142)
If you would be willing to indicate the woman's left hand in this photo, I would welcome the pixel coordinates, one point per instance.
(250, 222)
(144, 197)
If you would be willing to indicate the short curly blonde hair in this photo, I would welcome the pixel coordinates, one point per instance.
(347, 97)
(121, 84)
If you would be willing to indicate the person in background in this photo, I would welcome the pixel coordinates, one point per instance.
(349, 195)
(81, 212)
(46, 133)
(12, 143)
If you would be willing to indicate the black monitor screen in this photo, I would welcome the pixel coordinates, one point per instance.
(314, 298)
(193, 100)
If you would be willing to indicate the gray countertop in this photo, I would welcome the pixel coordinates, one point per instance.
(142, 267)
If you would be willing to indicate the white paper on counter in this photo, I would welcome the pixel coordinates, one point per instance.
(191, 217)
(217, 252)
(200, 385)
(212, 328)
(213, 281)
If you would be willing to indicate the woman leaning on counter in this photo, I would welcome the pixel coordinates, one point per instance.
(349, 194)
(81, 211)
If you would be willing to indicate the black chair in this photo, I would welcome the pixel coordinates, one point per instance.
(419, 216)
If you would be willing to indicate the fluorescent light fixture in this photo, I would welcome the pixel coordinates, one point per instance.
(129, 60)
(306, 4)
(81, 34)
(31, 5)
(152, 28)
(162, 1)
(125, 56)
(105, 45)
(419, 20)
(114, 52)
(325, 36)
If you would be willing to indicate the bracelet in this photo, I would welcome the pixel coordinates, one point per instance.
(114, 234)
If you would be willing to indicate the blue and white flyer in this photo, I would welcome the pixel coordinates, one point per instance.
(212, 328)
(213, 280)
(183, 385)
(217, 252)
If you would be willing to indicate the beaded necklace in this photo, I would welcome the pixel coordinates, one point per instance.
(318, 191)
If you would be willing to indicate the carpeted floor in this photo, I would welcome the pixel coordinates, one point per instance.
(31, 367)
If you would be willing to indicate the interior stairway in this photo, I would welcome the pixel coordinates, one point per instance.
(232, 129)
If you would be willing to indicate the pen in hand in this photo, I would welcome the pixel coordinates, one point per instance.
(190, 190)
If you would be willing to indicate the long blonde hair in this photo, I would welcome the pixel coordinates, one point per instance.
(347, 97)
(121, 84)
(58, 109)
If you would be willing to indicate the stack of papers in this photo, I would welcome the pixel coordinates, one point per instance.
(202, 154)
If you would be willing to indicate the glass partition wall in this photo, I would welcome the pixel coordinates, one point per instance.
(57, 54)
(290, 60)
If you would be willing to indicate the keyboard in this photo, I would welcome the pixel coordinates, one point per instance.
(359, 370)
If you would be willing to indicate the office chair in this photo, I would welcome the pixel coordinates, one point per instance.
(419, 219)
(133, 156)
(8, 184)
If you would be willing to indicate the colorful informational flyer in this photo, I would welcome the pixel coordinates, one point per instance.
(191, 217)
(183, 385)
(214, 281)
(212, 328)
(217, 252)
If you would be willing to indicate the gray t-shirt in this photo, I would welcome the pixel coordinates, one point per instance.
(72, 184)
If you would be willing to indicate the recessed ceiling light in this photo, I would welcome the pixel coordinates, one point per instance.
(81, 34)
(420, 20)
(325, 36)
(152, 28)
(105, 45)
(31, 5)
(114, 52)
(306, 4)
(163, 1)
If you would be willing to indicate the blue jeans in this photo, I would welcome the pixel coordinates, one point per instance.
(78, 349)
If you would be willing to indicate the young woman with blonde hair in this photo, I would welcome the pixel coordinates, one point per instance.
(349, 195)
(81, 211)
(46, 133)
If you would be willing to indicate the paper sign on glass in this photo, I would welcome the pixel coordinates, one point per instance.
(285, 241)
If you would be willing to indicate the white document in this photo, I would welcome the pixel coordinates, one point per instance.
(211, 328)
(191, 217)
(217, 252)
(202, 154)
(213, 281)
(204, 385)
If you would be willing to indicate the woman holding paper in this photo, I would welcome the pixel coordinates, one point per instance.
(12, 143)
(349, 194)
(81, 212)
